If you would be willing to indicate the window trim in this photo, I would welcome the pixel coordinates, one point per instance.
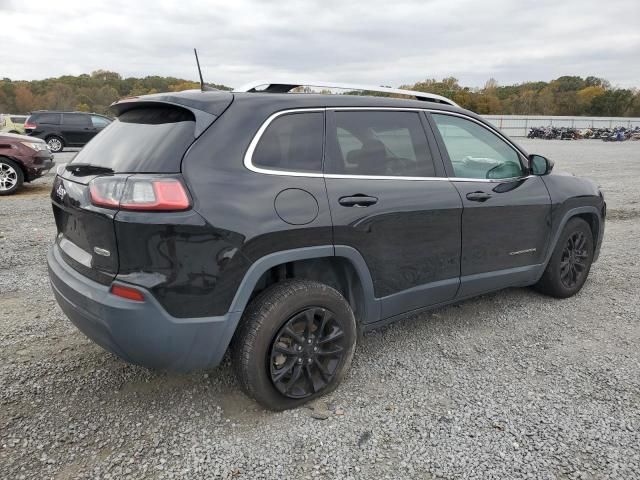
(425, 128)
(248, 157)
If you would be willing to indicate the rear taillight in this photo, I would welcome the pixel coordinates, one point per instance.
(30, 126)
(107, 191)
(139, 193)
(165, 194)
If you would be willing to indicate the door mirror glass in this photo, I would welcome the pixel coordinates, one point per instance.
(540, 165)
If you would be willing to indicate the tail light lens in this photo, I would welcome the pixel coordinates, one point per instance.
(30, 125)
(106, 191)
(139, 193)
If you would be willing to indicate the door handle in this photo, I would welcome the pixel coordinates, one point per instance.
(357, 200)
(478, 196)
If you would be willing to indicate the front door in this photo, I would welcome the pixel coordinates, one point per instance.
(394, 205)
(507, 212)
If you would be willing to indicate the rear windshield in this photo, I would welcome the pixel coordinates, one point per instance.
(142, 140)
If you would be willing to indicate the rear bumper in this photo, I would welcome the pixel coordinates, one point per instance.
(139, 332)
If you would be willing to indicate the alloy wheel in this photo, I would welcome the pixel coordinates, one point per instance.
(574, 260)
(307, 352)
(8, 177)
(55, 145)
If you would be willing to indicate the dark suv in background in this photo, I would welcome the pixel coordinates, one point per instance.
(65, 129)
(281, 225)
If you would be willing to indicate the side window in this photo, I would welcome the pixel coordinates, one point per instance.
(292, 142)
(476, 152)
(50, 118)
(76, 120)
(99, 122)
(379, 143)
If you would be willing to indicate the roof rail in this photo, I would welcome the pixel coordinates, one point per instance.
(286, 86)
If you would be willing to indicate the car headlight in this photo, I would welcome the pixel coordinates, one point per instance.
(36, 146)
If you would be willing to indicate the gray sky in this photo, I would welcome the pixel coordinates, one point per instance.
(373, 42)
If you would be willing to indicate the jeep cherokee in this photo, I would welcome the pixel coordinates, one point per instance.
(280, 225)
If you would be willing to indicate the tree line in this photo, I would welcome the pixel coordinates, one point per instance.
(566, 95)
(86, 93)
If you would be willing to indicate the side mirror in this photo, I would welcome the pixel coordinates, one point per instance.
(540, 165)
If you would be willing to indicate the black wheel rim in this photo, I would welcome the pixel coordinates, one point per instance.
(574, 260)
(307, 352)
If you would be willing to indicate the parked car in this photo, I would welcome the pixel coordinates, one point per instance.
(65, 129)
(281, 225)
(22, 159)
(12, 123)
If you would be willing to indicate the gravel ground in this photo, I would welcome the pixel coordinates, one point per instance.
(509, 385)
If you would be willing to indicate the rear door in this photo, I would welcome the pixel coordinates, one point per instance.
(391, 202)
(76, 128)
(507, 212)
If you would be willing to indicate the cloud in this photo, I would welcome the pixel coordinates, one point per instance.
(374, 42)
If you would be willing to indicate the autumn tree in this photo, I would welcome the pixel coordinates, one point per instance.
(24, 100)
(60, 97)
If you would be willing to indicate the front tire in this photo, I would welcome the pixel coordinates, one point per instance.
(570, 263)
(56, 144)
(11, 176)
(295, 343)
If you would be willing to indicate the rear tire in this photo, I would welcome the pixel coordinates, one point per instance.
(295, 343)
(11, 176)
(570, 263)
(56, 144)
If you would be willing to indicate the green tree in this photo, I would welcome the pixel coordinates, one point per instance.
(585, 97)
(612, 103)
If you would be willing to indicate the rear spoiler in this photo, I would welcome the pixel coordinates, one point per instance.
(205, 106)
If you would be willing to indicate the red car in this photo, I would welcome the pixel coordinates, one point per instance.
(22, 159)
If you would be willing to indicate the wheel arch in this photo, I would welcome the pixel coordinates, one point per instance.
(25, 174)
(588, 213)
(341, 267)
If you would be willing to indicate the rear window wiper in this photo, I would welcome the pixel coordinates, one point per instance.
(82, 169)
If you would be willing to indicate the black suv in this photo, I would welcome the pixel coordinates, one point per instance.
(281, 225)
(65, 129)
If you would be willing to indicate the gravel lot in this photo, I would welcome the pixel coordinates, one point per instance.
(509, 385)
